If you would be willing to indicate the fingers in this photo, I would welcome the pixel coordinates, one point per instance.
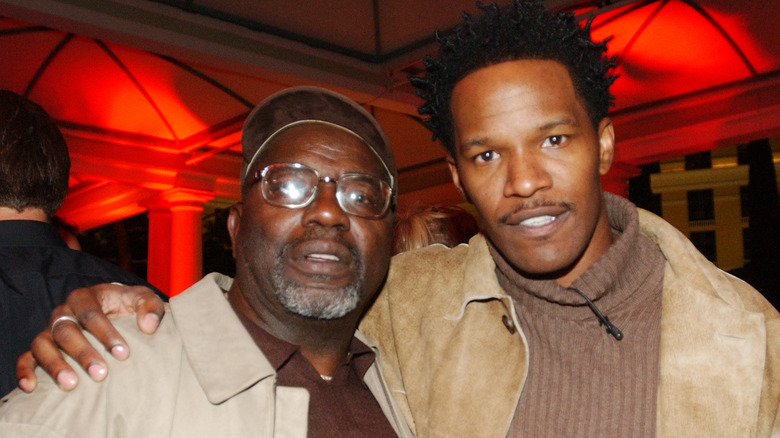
(86, 305)
(68, 335)
(148, 306)
(25, 372)
(44, 352)
(119, 299)
(87, 308)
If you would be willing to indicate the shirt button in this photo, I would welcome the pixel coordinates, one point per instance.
(510, 326)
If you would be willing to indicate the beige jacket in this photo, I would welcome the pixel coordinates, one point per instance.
(200, 375)
(457, 364)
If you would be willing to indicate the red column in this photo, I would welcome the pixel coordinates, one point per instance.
(175, 242)
(616, 180)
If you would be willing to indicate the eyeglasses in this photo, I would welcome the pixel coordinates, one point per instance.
(294, 185)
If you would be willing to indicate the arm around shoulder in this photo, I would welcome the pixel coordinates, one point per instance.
(98, 409)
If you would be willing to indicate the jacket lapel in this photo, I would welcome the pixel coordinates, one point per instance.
(224, 357)
(476, 385)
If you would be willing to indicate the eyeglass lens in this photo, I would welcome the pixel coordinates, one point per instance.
(294, 185)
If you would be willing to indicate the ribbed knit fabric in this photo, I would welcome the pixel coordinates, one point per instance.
(582, 382)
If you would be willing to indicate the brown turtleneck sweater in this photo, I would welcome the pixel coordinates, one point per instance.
(581, 381)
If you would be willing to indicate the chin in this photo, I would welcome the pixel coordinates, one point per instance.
(544, 267)
(319, 305)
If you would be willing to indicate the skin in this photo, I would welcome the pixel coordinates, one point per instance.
(29, 214)
(529, 159)
(260, 232)
(304, 241)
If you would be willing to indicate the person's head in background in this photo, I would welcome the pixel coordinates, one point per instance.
(34, 162)
(422, 226)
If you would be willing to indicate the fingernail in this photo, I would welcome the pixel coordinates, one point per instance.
(26, 385)
(66, 380)
(119, 351)
(150, 322)
(97, 372)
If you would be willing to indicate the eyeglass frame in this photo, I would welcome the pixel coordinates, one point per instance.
(259, 176)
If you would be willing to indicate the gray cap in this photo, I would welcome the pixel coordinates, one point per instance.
(299, 104)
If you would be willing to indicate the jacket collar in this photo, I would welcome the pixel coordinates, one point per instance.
(224, 357)
(479, 280)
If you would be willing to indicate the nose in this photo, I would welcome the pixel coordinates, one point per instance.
(526, 174)
(325, 210)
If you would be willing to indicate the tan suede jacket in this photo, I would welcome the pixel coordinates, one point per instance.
(456, 362)
(200, 375)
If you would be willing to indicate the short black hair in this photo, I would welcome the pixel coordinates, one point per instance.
(34, 162)
(521, 30)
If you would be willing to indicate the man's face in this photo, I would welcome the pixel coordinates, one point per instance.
(529, 159)
(315, 261)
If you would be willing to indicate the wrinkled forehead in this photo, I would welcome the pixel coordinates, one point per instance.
(321, 145)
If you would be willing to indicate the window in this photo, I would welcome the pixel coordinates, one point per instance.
(700, 205)
(742, 155)
(744, 201)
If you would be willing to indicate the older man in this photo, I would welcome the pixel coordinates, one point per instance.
(273, 352)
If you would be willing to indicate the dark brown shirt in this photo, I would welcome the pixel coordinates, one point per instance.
(343, 406)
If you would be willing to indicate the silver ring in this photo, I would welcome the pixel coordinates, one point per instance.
(62, 319)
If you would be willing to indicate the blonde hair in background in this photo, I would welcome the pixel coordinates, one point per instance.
(426, 225)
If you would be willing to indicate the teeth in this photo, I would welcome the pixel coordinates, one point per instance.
(537, 221)
(324, 256)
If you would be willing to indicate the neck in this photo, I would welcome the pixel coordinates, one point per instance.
(28, 214)
(324, 343)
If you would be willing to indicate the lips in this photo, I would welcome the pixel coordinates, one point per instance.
(534, 216)
(537, 221)
(320, 257)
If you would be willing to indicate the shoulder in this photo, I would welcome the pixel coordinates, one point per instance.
(91, 407)
(688, 266)
(434, 277)
(96, 270)
(414, 272)
(428, 261)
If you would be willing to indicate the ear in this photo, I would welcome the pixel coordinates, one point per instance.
(606, 145)
(233, 224)
(456, 177)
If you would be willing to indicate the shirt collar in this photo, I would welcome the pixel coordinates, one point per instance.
(29, 233)
(278, 352)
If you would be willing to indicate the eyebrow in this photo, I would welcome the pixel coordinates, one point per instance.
(481, 141)
(563, 121)
(558, 122)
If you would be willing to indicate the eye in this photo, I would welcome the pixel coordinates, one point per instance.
(361, 191)
(554, 140)
(358, 198)
(485, 157)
